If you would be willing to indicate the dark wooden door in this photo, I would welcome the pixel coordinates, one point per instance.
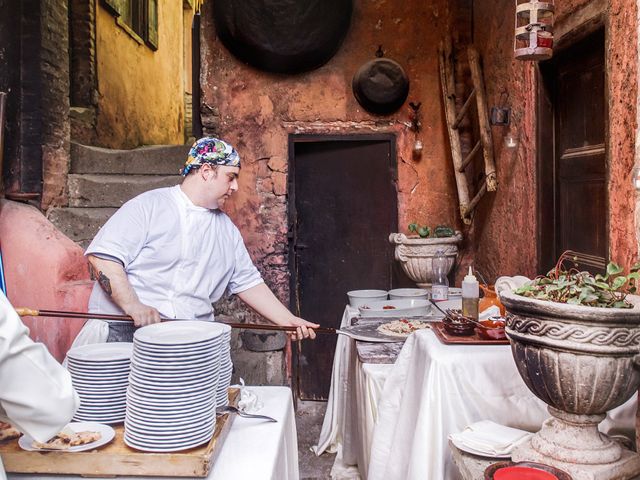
(343, 207)
(576, 191)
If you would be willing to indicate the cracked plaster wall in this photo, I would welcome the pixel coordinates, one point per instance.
(505, 230)
(256, 111)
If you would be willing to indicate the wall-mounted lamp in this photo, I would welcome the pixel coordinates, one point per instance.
(501, 114)
(415, 125)
(511, 140)
(635, 177)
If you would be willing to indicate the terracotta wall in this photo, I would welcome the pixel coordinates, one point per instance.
(257, 111)
(43, 270)
(504, 233)
(140, 92)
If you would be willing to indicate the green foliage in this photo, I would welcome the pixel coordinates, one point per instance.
(424, 231)
(582, 288)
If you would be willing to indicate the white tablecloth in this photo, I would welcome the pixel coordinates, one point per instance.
(391, 422)
(253, 450)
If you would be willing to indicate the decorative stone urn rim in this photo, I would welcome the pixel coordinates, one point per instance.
(551, 309)
(401, 238)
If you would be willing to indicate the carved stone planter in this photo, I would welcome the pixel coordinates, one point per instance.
(416, 254)
(582, 362)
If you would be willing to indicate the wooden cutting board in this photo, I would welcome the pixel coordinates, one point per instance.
(116, 458)
(475, 339)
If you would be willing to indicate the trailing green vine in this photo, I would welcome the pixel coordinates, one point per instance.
(582, 288)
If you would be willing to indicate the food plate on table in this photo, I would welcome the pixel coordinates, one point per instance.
(106, 434)
(395, 308)
(376, 330)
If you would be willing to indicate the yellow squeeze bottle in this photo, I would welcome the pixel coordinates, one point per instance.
(470, 295)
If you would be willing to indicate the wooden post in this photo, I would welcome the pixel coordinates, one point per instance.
(483, 119)
(448, 97)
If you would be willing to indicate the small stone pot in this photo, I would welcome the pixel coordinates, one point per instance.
(416, 255)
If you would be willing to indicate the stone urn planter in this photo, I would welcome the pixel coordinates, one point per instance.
(415, 254)
(581, 361)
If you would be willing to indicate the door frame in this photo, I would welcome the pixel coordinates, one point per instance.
(546, 168)
(293, 139)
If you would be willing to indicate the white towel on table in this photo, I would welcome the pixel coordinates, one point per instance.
(490, 438)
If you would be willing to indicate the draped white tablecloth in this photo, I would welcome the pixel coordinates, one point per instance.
(254, 449)
(391, 422)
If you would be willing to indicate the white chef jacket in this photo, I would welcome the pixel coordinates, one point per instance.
(178, 257)
(36, 394)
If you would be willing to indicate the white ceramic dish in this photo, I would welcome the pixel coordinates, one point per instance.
(396, 308)
(360, 297)
(187, 332)
(115, 353)
(105, 431)
(473, 451)
(408, 293)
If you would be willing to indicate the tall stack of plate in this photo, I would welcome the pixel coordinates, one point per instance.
(99, 373)
(226, 370)
(171, 399)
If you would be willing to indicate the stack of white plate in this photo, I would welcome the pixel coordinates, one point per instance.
(171, 399)
(100, 373)
(226, 370)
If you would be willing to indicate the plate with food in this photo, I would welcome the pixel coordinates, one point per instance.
(385, 330)
(395, 308)
(75, 437)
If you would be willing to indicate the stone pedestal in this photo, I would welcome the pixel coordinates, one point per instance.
(625, 468)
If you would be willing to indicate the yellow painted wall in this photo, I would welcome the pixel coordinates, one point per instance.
(141, 92)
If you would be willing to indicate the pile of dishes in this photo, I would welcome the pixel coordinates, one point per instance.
(99, 373)
(171, 398)
(226, 370)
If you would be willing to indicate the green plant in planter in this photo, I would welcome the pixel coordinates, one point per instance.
(582, 288)
(424, 231)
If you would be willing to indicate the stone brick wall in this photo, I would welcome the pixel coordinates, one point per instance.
(55, 101)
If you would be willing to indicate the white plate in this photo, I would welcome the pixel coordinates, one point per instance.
(400, 308)
(105, 431)
(180, 333)
(473, 451)
(101, 352)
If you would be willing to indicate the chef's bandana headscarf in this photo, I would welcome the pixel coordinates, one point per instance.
(213, 151)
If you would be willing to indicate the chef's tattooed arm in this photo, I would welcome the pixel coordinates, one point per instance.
(102, 280)
(112, 278)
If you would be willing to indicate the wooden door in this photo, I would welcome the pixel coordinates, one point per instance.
(343, 205)
(573, 176)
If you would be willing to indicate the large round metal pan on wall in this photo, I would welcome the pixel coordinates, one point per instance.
(282, 36)
(381, 86)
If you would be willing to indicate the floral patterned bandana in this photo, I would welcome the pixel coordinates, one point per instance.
(210, 150)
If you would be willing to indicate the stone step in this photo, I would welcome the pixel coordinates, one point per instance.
(88, 190)
(80, 224)
(149, 160)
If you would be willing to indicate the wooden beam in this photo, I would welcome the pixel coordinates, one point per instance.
(463, 110)
(448, 88)
(474, 203)
(483, 119)
(469, 157)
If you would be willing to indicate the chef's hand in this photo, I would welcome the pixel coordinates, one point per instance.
(304, 330)
(142, 314)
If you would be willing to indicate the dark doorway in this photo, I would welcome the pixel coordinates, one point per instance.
(343, 205)
(572, 155)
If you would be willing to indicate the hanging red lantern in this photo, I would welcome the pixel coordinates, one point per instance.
(534, 30)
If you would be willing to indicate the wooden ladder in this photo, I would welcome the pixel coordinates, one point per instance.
(454, 119)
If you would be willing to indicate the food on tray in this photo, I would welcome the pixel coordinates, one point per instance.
(8, 432)
(64, 440)
(402, 327)
(388, 307)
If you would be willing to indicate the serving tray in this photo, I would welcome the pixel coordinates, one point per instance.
(116, 458)
(448, 339)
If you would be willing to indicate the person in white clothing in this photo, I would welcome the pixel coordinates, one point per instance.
(36, 395)
(171, 252)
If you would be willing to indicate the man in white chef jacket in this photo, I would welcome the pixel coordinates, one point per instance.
(171, 253)
(36, 394)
